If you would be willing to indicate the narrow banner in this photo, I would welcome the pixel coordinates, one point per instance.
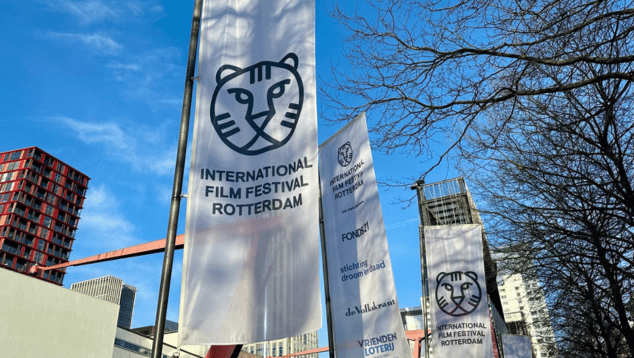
(251, 264)
(366, 317)
(460, 312)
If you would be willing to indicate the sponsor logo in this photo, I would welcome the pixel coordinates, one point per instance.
(367, 307)
(378, 344)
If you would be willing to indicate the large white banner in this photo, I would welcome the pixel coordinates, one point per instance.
(251, 264)
(366, 317)
(461, 326)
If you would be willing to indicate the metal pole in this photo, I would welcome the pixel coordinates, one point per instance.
(168, 258)
(331, 342)
(418, 186)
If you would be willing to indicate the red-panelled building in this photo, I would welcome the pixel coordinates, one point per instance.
(41, 199)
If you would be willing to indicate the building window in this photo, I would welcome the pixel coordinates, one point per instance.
(15, 155)
(133, 347)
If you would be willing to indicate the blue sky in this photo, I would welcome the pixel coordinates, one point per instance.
(99, 84)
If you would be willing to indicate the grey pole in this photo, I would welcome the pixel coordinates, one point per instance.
(331, 342)
(170, 242)
(418, 186)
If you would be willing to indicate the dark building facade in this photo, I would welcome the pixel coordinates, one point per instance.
(111, 289)
(41, 199)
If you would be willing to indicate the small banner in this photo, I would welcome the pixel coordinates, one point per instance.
(251, 262)
(460, 310)
(366, 317)
(516, 346)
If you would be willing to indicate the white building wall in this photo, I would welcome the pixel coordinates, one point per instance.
(523, 299)
(130, 344)
(42, 320)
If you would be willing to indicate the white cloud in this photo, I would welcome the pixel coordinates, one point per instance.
(152, 76)
(85, 11)
(143, 7)
(103, 222)
(404, 223)
(95, 42)
(145, 149)
(91, 11)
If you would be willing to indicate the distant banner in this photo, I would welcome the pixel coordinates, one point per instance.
(251, 264)
(460, 311)
(366, 317)
(516, 346)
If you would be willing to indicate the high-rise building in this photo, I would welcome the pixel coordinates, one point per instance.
(449, 202)
(526, 312)
(284, 346)
(41, 199)
(111, 289)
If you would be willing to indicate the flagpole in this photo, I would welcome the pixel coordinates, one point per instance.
(170, 242)
(418, 186)
(322, 232)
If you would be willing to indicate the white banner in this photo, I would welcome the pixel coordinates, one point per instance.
(366, 317)
(516, 346)
(460, 312)
(251, 264)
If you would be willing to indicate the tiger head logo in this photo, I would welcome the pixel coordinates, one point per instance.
(256, 109)
(344, 154)
(458, 293)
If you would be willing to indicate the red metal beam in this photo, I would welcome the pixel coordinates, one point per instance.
(132, 251)
(256, 225)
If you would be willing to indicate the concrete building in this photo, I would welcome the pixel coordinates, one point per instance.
(138, 343)
(526, 312)
(41, 320)
(132, 344)
(41, 199)
(68, 324)
(284, 346)
(111, 289)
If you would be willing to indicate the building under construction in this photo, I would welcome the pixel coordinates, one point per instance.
(449, 202)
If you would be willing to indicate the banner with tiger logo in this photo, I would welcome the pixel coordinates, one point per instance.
(251, 261)
(461, 326)
(365, 313)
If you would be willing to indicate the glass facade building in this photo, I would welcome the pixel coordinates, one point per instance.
(41, 199)
(111, 289)
(284, 346)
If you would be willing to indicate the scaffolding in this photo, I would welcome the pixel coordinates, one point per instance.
(449, 202)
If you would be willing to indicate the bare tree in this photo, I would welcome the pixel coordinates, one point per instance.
(536, 100)
(559, 186)
(430, 70)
